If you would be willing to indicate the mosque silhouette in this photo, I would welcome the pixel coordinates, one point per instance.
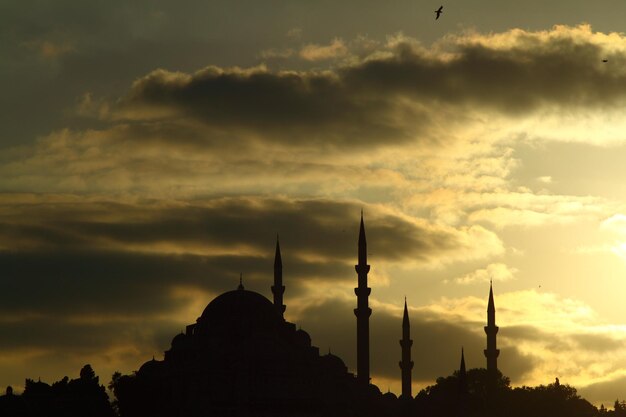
(242, 358)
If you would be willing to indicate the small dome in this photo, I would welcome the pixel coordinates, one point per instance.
(333, 364)
(150, 368)
(180, 341)
(373, 390)
(389, 396)
(302, 338)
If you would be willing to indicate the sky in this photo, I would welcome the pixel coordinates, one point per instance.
(151, 151)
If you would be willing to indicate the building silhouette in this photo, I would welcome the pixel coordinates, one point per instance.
(491, 353)
(462, 395)
(462, 375)
(406, 364)
(242, 358)
(362, 312)
(278, 289)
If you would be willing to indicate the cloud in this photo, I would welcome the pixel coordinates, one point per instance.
(606, 392)
(495, 272)
(598, 342)
(51, 334)
(335, 49)
(237, 224)
(471, 188)
(559, 67)
(395, 96)
(274, 53)
(615, 224)
(353, 130)
(503, 209)
(290, 108)
(62, 255)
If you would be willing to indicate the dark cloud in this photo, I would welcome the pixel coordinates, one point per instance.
(389, 99)
(524, 332)
(73, 282)
(606, 392)
(535, 70)
(599, 343)
(227, 223)
(436, 347)
(52, 334)
(116, 258)
(294, 109)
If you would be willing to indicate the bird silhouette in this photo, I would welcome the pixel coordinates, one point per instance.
(438, 12)
(605, 60)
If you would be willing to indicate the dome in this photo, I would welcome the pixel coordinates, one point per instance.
(180, 341)
(239, 308)
(334, 364)
(302, 338)
(390, 396)
(151, 367)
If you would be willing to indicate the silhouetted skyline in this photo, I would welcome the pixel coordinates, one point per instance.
(151, 152)
(241, 358)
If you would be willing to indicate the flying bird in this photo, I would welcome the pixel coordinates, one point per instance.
(605, 60)
(438, 12)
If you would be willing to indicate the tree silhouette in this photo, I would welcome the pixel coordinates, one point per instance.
(619, 408)
(64, 398)
(87, 374)
(486, 397)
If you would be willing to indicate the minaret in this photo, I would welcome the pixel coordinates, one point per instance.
(362, 312)
(491, 353)
(278, 288)
(406, 364)
(462, 375)
(462, 394)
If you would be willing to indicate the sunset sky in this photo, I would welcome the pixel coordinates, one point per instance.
(150, 151)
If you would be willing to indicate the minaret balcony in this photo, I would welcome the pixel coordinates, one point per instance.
(360, 291)
(491, 329)
(406, 343)
(363, 312)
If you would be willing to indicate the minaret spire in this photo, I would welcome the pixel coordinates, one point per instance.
(462, 387)
(362, 243)
(278, 289)
(362, 312)
(491, 353)
(406, 364)
(462, 370)
(240, 287)
(462, 374)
